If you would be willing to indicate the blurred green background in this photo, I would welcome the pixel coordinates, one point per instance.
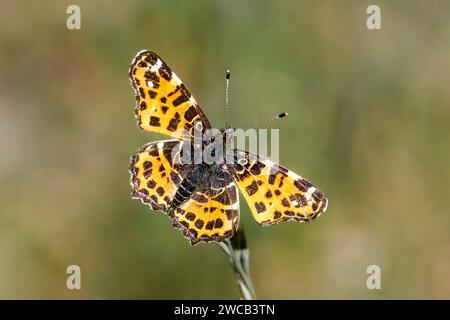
(368, 123)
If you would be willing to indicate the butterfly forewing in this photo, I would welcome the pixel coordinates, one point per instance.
(163, 103)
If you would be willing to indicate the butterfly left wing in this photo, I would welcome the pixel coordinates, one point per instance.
(212, 211)
(163, 103)
(156, 174)
(274, 193)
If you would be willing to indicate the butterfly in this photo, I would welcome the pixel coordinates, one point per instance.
(202, 199)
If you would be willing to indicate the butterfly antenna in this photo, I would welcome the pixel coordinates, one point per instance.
(227, 79)
(257, 124)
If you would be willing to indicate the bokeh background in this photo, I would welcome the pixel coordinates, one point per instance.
(369, 115)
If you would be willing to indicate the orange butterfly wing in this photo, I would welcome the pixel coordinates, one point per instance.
(163, 103)
(212, 211)
(274, 193)
(155, 174)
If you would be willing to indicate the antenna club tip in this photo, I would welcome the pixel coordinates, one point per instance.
(228, 74)
(282, 115)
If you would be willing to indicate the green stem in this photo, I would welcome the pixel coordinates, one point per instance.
(238, 254)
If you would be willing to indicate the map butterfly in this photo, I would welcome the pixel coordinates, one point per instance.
(202, 199)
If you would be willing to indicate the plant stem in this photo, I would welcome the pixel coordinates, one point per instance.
(238, 254)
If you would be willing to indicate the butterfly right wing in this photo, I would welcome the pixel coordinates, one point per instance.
(274, 193)
(163, 103)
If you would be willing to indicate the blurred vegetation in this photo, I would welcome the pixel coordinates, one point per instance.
(368, 123)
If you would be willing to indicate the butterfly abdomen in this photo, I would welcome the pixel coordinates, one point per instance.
(189, 184)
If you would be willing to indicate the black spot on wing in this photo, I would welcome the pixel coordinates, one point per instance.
(302, 185)
(252, 188)
(173, 123)
(154, 121)
(257, 168)
(165, 72)
(260, 207)
(190, 216)
(199, 224)
(180, 99)
(152, 77)
(190, 113)
(151, 184)
(150, 57)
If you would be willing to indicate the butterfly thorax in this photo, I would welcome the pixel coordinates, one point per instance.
(212, 165)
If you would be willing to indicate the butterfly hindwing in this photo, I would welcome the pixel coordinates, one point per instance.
(209, 213)
(274, 193)
(163, 103)
(212, 211)
(155, 175)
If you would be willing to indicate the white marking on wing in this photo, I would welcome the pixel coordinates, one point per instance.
(326, 205)
(293, 175)
(156, 66)
(137, 55)
(309, 192)
(176, 79)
